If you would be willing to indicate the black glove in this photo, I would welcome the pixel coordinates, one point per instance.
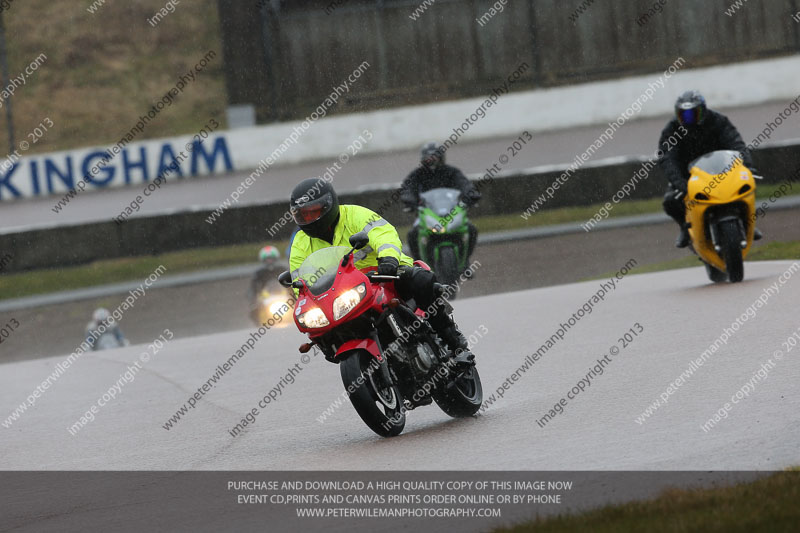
(681, 186)
(387, 266)
(472, 198)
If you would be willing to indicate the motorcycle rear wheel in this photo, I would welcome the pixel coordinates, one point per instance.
(732, 250)
(464, 398)
(380, 407)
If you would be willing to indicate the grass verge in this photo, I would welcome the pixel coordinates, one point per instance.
(126, 269)
(768, 504)
(104, 70)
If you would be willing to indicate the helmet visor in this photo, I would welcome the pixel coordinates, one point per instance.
(431, 161)
(691, 116)
(307, 212)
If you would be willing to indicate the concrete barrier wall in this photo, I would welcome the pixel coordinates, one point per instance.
(509, 193)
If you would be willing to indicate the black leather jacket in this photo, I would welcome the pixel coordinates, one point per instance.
(422, 180)
(716, 133)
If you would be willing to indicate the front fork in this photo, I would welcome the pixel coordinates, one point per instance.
(715, 237)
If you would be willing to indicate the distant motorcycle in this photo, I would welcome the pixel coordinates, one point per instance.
(103, 333)
(108, 341)
(444, 233)
(268, 303)
(390, 358)
(720, 213)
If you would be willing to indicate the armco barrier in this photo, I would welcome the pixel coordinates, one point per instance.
(510, 193)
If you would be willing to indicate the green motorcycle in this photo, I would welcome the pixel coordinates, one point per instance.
(443, 233)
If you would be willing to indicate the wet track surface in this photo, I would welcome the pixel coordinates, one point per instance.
(679, 314)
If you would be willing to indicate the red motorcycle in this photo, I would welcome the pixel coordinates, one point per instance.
(391, 359)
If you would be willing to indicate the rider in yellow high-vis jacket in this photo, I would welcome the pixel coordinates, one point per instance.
(383, 239)
(315, 208)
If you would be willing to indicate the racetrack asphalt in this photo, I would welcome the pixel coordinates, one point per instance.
(679, 314)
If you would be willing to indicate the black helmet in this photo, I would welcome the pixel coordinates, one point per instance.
(690, 108)
(430, 156)
(315, 207)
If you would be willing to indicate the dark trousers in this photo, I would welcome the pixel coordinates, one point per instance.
(418, 283)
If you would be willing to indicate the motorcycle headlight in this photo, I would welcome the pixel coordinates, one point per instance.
(314, 318)
(348, 300)
(433, 224)
(275, 307)
(458, 219)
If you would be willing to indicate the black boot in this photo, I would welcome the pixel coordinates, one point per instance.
(454, 339)
(444, 326)
(683, 238)
(757, 235)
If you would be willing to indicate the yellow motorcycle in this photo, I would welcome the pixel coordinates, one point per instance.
(720, 213)
(271, 304)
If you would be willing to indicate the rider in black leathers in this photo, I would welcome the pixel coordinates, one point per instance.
(433, 173)
(698, 131)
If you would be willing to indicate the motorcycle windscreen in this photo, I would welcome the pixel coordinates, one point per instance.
(718, 162)
(319, 269)
(442, 200)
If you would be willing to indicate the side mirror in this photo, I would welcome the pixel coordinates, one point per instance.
(285, 279)
(359, 240)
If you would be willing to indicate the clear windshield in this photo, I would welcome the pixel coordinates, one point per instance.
(320, 268)
(719, 162)
(441, 200)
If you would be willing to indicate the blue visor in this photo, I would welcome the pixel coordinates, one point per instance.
(690, 117)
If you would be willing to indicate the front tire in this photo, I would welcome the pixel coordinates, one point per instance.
(464, 398)
(379, 406)
(448, 266)
(717, 276)
(732, 250)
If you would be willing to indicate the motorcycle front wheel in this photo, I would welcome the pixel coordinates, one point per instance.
(379, 405)
(448, 266)
(731, 250)
(717, 276)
